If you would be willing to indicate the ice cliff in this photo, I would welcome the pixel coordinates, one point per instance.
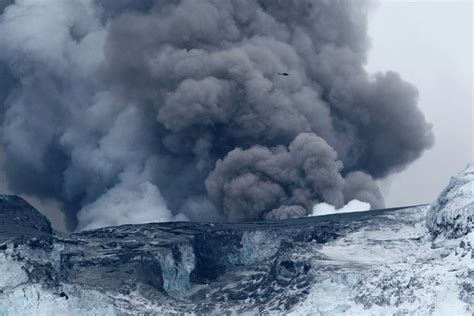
(411, 261)
(452, 214)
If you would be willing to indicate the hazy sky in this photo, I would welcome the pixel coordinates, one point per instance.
(430, 44)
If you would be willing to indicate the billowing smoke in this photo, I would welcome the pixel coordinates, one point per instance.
(134, 111)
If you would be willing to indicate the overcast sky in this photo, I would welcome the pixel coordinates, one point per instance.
(430, 44)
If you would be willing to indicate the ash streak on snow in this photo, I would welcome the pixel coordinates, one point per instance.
(112, 106)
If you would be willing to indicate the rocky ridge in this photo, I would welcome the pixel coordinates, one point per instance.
(389, 261)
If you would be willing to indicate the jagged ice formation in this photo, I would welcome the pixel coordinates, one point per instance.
(377, 262)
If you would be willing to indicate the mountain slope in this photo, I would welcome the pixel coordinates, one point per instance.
(375, 262)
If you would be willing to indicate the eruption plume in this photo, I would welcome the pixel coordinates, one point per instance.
(134, 111)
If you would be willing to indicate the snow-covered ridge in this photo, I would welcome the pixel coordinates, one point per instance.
(382, 262)
(452, 214)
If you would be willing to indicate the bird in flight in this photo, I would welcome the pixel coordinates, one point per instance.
(283, 74)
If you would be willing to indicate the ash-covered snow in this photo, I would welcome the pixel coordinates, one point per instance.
(391, 268)
(12, 273)
(452, 214)
(386, 262)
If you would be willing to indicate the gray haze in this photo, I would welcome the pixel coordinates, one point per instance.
(129, 112)
(435, 52)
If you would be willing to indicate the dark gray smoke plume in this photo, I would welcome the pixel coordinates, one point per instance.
(134, 111)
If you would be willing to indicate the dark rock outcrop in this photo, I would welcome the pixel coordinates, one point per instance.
(18, 215)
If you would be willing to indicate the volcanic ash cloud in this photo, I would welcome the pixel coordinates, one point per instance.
(179, 106)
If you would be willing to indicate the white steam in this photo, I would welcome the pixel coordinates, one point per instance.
(353, 206)
(132, 201)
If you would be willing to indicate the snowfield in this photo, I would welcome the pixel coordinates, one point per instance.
(406, 261)
(403, 266)
(393, 268)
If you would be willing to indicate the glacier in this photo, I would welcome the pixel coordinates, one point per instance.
(402, 261)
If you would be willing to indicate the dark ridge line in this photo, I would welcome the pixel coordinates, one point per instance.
(218, 226)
